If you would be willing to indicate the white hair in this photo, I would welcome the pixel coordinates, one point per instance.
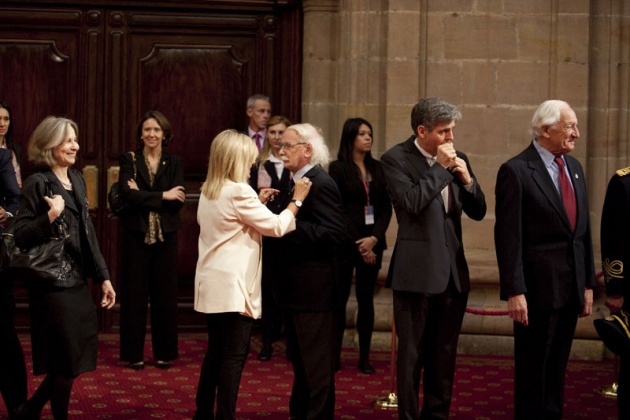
(313, 135)
(547, 114)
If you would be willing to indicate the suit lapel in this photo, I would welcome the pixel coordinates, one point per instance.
(541, 177)
(57, 188)
(419, 163)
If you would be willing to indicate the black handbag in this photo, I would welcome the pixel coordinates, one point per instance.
(116, 202)
(45, 261)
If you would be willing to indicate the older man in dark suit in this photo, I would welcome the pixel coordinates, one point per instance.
(306, 285)
(12, 366)
(430, 184)
(545, 256)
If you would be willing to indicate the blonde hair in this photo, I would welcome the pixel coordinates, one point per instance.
(50, 133)
(231, 157)
(266, 149)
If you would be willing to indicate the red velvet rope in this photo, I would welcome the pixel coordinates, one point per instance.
(500, 313)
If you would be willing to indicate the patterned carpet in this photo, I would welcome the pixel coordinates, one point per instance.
(483, 387)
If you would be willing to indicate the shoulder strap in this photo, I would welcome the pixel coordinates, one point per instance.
(133, 158)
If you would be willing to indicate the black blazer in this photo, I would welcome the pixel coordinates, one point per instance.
(537, 251)
(281, 201)
(149, 198)
(32, 227)
(9, 189)
(308, 265)
(354, 198)
(429, 246)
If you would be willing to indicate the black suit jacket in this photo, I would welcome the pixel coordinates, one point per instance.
(308, 266)
(10, 192)
(32, 226)
(281, 201)
(537, 251)
(429, 246)
(354, 197)
(615, 236)
(149, 198)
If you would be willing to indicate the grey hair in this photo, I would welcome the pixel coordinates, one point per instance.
(313, 135)
(429, 112)
(256, 97)
(547, 114)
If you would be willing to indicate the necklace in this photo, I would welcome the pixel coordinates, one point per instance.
(66, 185)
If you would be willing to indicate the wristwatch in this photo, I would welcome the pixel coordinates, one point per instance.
(298, 203)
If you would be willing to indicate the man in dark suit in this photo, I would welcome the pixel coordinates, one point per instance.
(12, 366)
(258, 112)
(545, 256)
(615, 238)
(306, 287)
(430, 183)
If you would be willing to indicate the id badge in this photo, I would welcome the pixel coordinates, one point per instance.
(369, 215)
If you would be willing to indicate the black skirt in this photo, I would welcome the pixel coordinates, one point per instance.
(64, 330)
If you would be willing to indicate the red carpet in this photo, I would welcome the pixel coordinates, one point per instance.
(483, 387)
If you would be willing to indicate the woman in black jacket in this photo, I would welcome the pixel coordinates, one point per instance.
(63, 316)
(152, 184)
(368, 211)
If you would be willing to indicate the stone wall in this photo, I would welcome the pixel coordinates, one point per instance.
(497, 60)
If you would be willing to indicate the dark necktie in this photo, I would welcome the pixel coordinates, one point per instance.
(568, 196)
(257, 138)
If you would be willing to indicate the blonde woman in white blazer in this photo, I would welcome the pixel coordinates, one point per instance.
(232, 220)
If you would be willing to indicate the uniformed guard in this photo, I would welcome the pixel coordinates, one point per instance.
(615, 239)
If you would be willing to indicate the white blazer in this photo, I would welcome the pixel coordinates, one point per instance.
(227, 278)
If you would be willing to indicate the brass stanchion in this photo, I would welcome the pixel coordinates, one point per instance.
(611, 391)
(391, 401)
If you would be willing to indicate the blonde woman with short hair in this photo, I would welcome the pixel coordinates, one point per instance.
(232, 220)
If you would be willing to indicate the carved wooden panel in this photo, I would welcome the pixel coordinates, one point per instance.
(104, 63)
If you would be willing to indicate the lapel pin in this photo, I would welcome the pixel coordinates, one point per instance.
(576, 176)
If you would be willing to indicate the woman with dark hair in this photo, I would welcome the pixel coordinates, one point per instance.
(12, 366)
(368, 212)
(7, 141)
(64, 328)
(152, 184)
(269, 172)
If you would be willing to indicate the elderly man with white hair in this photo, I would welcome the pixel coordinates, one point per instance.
(545, 256)
(306, 287)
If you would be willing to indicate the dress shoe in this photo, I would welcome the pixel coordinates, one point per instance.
(162, 364)
(23, 413)
(265, 353)
(136, 365)
(365, 367)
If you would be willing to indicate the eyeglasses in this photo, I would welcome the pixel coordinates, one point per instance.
(290, 146)
(568, 127)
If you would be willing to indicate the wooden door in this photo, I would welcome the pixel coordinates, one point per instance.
(105, 63)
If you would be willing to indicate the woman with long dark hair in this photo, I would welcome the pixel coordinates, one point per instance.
(368, 212)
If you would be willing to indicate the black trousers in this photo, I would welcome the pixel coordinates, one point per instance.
(541, 354)
(149, 272)
(365, 281)
(12, 366)
(310, 337)
(428, 329)
(228, 346)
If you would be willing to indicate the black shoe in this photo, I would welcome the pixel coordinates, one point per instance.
(23, 413)
(162, 364)
(136, 365)
(265, 353)
(365, 367)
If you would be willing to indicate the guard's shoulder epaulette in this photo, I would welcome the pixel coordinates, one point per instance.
(623, 172)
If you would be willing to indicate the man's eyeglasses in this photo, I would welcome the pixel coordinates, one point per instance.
(290, 146)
